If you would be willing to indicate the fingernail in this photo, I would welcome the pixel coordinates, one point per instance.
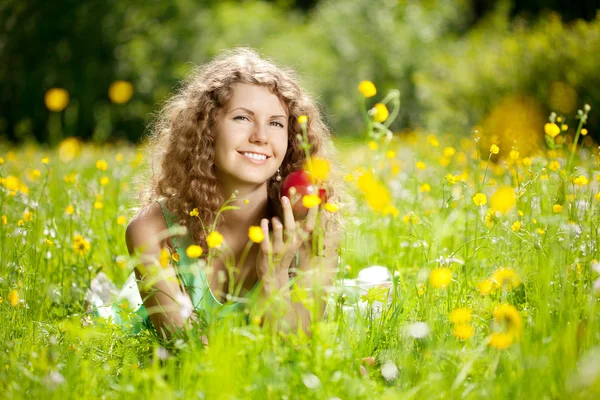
(284, 200)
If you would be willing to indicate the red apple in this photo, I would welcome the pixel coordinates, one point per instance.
(296, 185)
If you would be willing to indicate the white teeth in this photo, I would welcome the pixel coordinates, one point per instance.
(255, 156)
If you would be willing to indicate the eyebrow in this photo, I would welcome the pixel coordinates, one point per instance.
(252, 112)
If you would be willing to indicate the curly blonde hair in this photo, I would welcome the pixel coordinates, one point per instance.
(180, 153)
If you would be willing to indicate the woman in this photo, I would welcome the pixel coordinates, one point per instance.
(232, 128)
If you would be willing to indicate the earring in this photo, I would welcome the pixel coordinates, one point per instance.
(278, 177)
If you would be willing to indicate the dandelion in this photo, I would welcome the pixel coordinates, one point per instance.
(80, 245)
(194, 213)
(390, 154)
(463, 331)
(424, 188)
(516, 226)
(557, 208)
(98, 205)
(451, 179)
(56, 99)
(104, 180)
(119, 157)
(68, 149)
(440, 277)
(13, 297)
(303, 119)
(214, 240)
(367, 89)
(551, 130)
(580, 180)
(27, 215)
(490, 217)
(420, 165)
(509, 318)
(20, 223)
(503, 199)
(121, 220)
(505, 278)
(514, 154)
(256, 234)
(410, 217)
(460, 315)
(120, 92)
(485, 287)
(597, 196)
(564, 127)
(175, 257)
(584, 131)
(4, 220)
(527, 161)
(494, 149)
(194, 251)
(70, 209)
(391, 210)
(45, 160)
(480, 199)
(331, 207)
(541, 231)
(319, 168)
(311, 200)
(554, 166)
(432, 140)
(449, 151)
(372, 145)
(102, 165)
(380, 112)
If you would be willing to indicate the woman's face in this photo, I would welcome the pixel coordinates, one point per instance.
(251, 137)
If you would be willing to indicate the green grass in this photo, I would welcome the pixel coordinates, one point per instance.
(51, 349)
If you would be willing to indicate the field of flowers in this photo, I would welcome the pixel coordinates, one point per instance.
(494, 288)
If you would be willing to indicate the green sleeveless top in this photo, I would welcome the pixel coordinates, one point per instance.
(193, 278)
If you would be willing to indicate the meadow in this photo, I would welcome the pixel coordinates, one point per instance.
(493, 254)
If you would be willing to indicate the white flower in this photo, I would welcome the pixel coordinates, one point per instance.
(389, 371)
(186, 305)
(418, 330)
(311, 381)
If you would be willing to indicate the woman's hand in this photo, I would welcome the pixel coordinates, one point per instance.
(275, 255)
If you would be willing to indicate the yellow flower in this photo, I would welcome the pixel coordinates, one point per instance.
(391, 210)
(433, 140)
(104, 180)
(27, 215)
(214, 239)
(410, 217)
(490, 217)
(510, 319)
(70, 209)
(597, 196)
(557, 208)
(119, 157)
(501, 341)
(175, 257)
(451, 179)
(50, 242)
(303, 119)
(1, 160)
(102, 165)
(380, 112)
(526, 161)
(440, 277)
(420, 165)
(13, 297)
(564, 127)
(319, 168)
(373, 145)
(68, 149)
(460, 315)
(20, 222)
(505, 278)
(494, 149)
(367, 88)
(255, 233)
(449, 151)
(516, 226)
(71, 178)
(80, 245)
(331, 207)
(554, 166)
(194, 213)
(540, 231)
(56, 99)
(580, 180)
(310, 200)
(551, 130)
(390, 154)
(424, 188)
(480, 199)
(45, 160)
(194, 251)
(120, 92)
(514, 154)
(98, 205)
(164, 257)
(4, 220)
(503, 199)
(121, 220)
(485, 287)
(463, 331)
(584, 131)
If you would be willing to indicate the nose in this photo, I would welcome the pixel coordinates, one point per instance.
(259, 134)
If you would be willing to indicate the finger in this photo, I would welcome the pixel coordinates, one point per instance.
(265, 245)
(288, 219)
(277, 235)
(311, 218)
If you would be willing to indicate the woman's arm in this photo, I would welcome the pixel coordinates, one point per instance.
(164, 299)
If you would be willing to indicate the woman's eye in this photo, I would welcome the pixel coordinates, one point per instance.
(241, 116)
(278, 124)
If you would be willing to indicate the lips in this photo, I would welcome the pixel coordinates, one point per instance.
(255, 161)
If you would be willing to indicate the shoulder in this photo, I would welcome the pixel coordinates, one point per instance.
(144, 227)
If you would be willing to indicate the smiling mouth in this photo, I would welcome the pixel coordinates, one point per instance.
(259, 158)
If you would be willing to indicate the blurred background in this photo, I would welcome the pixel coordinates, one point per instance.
(99, 69)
